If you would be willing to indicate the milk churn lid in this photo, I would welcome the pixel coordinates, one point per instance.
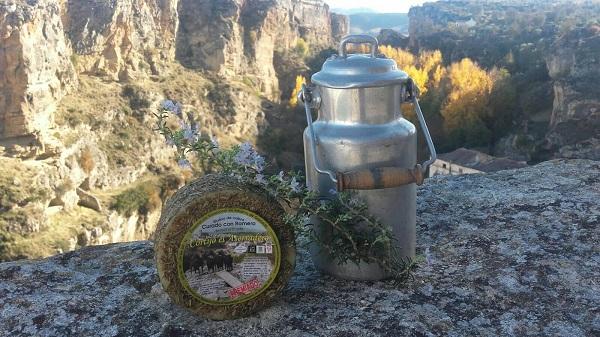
(345, 71)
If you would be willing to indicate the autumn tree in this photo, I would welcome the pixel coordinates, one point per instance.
(425, 69)
(297, 88)
(464, 110)
(464, 104)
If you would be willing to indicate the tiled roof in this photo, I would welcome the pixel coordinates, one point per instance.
(480, 161)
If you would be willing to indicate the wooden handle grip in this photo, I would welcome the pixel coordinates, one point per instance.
(385, 177)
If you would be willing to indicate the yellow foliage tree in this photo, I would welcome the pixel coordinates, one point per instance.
(469, 92)
(294, 98)
(403, 58)
(438, 74)
(467, 79)
(425, 69)
(459, 94)
(358, 48)
(419, 76)
(429, 60)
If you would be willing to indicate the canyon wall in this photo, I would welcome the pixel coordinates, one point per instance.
(35, 66)
(240, 37)
(543, 45)
(81, 162)
(44, 44)
(118, 38)
(575, 68)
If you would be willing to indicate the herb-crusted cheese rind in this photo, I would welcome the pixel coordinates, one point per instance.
(222, 248)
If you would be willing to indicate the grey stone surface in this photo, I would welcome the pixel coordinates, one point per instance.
(513, 253)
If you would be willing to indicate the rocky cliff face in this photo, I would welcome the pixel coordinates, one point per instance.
(240, 37)
(118, 39)
(35, 66)
(390, 37)
(574, 66)
(340, 26)
(431, 18)
(126, 40)
(75, 150)
(512, 253)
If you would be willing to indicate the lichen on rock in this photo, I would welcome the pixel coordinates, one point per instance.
(512, 253)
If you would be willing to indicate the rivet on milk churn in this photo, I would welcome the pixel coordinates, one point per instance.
(360, 141)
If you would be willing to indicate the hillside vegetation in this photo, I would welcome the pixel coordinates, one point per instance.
(539, 57)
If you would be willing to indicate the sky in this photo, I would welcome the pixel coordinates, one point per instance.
(384, 6)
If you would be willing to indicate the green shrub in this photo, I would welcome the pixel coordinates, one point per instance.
(12, 195)
(253, 36)
(301, 47)
(140, 199)
(74, 59)
(136, 96)
(6, 241)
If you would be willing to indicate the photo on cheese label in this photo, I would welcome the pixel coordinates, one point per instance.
(229, 256)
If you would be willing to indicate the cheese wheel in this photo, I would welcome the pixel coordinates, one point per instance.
(223, 249)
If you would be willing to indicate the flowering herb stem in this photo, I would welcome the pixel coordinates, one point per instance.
(354, 235)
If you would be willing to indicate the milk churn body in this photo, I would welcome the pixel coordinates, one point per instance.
(360, 127)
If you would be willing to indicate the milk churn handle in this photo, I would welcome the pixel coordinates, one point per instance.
(356, 39)
(310, 101)
(388, 177)
(412, 90)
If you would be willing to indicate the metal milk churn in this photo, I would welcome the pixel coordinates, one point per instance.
(360, 141)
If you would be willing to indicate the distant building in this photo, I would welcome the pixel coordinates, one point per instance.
(465, 161)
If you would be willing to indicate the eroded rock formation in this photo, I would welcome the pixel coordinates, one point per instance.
(44, 43)
(119, 38)
(528, 36)
(35, 66)
(390, 37)
(77, 149)
(512, 253)
(574, 66)
(240, 37)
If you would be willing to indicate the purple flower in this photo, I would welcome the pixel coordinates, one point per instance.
(295, 185)
(184, 164)
(168, 105)
(260, 178)
(244, 154)
(354, 202)
(259, 162)
(280, 176)
(248, 157)
(191, 135)
(190, 132)
(170, 142)
(172, 106)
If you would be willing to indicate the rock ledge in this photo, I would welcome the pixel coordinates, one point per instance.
(513, 253)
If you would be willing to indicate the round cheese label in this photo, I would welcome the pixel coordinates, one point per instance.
(229, 256)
